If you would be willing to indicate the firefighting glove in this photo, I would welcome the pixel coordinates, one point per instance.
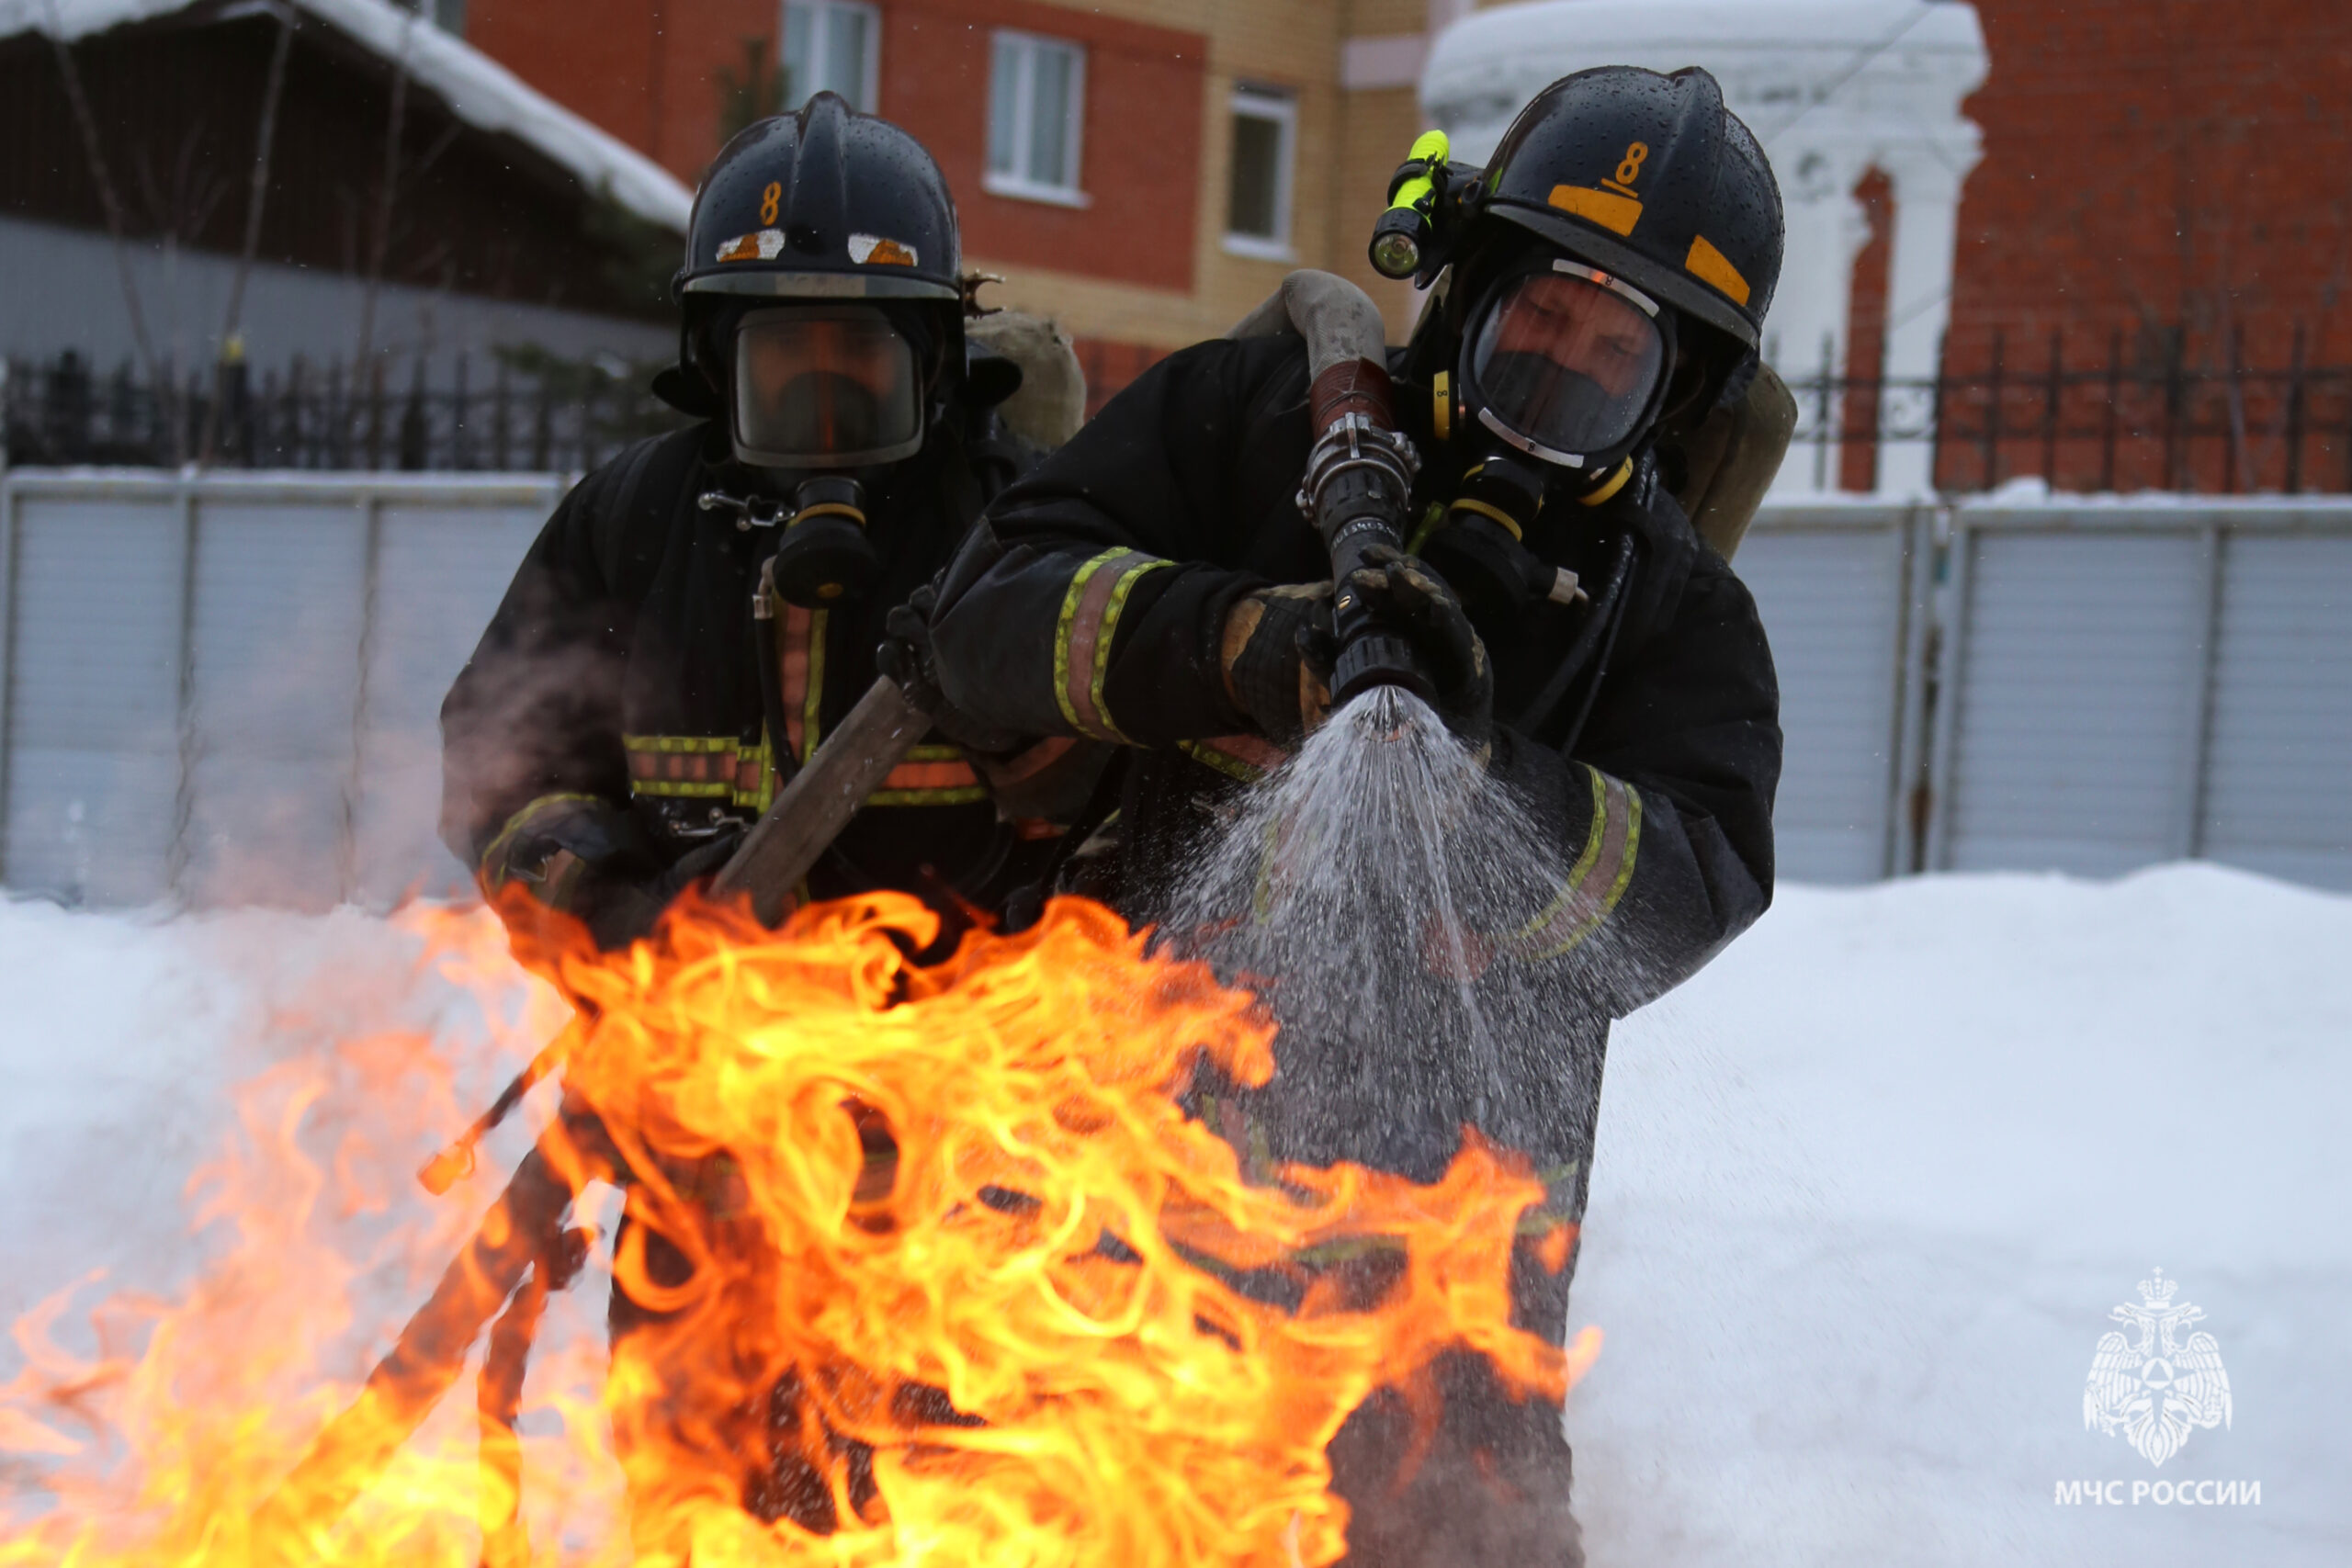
(907, 657)
(586, 858)
(1409, 599)
(591, 860)
(1273, 651)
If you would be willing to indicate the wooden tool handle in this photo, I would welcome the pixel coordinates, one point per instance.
(811, 811)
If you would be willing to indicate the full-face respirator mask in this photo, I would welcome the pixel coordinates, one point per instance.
(1565, 369)
(815, 392)
(1568, 364)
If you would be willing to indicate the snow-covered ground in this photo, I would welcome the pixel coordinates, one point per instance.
(1868, 1187)
(1866, 1191)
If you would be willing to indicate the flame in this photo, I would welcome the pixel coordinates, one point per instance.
(940, 1267)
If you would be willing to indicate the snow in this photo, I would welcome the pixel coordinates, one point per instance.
(477, 89)
(1881, 56)
(1866, 1190)
(2032, 492)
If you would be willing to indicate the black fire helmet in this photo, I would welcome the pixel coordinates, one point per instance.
(1651, 178)
(824, 206)
(1641, 182)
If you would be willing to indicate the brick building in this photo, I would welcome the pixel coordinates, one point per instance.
(2165, 186)
(2161, 181)
(1143, 170)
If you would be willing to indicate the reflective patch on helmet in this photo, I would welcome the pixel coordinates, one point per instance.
(872, 249)
(1609, 210)
(1710, 266)
(765, 246)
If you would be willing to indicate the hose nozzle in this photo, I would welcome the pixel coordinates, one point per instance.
(1357, 491)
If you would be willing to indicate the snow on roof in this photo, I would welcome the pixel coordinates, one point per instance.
(1888, 56)
(479, 90)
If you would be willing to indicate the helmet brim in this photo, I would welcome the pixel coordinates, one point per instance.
(766, 284)
(1603, 250)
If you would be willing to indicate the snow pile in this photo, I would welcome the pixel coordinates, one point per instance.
(479, 90)
(1866, 1191)
(1867, 1188)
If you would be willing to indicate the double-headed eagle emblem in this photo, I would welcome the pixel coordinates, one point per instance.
(2156, 1387)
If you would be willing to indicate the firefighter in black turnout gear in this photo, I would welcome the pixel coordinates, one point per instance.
(1597, 293)
(700, 609)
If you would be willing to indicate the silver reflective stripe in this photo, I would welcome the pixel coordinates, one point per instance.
(1533, 449)
(1607, 281)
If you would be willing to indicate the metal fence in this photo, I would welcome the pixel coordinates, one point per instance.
(2143, 681)
(2118, 424)
(487, 418)
(224, 689)
(1843, 590)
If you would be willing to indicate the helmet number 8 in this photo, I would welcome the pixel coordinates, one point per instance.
(774, 193)
(1631, 169)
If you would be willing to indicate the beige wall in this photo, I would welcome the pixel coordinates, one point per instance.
(1348, 143)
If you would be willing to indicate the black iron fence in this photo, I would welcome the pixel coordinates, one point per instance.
(2114, 427)
(536, 415)
(2119, 426)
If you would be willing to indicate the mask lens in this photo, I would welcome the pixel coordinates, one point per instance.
(815, 387)
(1567, 363)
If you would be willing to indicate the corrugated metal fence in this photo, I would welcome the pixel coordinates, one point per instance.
(228, 690)
(2133, 683)
(225, 689)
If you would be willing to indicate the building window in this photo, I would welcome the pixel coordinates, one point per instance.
(831, 46)
(1036, 104)
(1257, 209)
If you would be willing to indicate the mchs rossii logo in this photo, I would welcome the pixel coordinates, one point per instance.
(2153, 1382)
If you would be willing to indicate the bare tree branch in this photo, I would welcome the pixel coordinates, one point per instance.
(380, 243)
(232, 345)
(111, 205)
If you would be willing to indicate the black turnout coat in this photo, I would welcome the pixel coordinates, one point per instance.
(1093, 599)
(1639, 730)
(638, 660)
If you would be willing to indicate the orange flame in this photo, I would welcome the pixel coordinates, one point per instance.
(956, 1259)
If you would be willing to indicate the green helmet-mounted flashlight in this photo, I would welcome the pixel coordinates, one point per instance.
(1406, 240)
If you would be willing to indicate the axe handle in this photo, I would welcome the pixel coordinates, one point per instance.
(811, 811)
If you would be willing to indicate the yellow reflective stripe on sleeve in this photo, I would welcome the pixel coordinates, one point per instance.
(1126, 583)
(1062, 625)
(1082, 635)
(1597, 882)
(930, 776)
(1245, 757)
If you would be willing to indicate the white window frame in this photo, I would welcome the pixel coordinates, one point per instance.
(821, 14)
(1016, 184)
(1281, 107)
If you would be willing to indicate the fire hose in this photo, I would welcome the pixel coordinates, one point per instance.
(1358, 486)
